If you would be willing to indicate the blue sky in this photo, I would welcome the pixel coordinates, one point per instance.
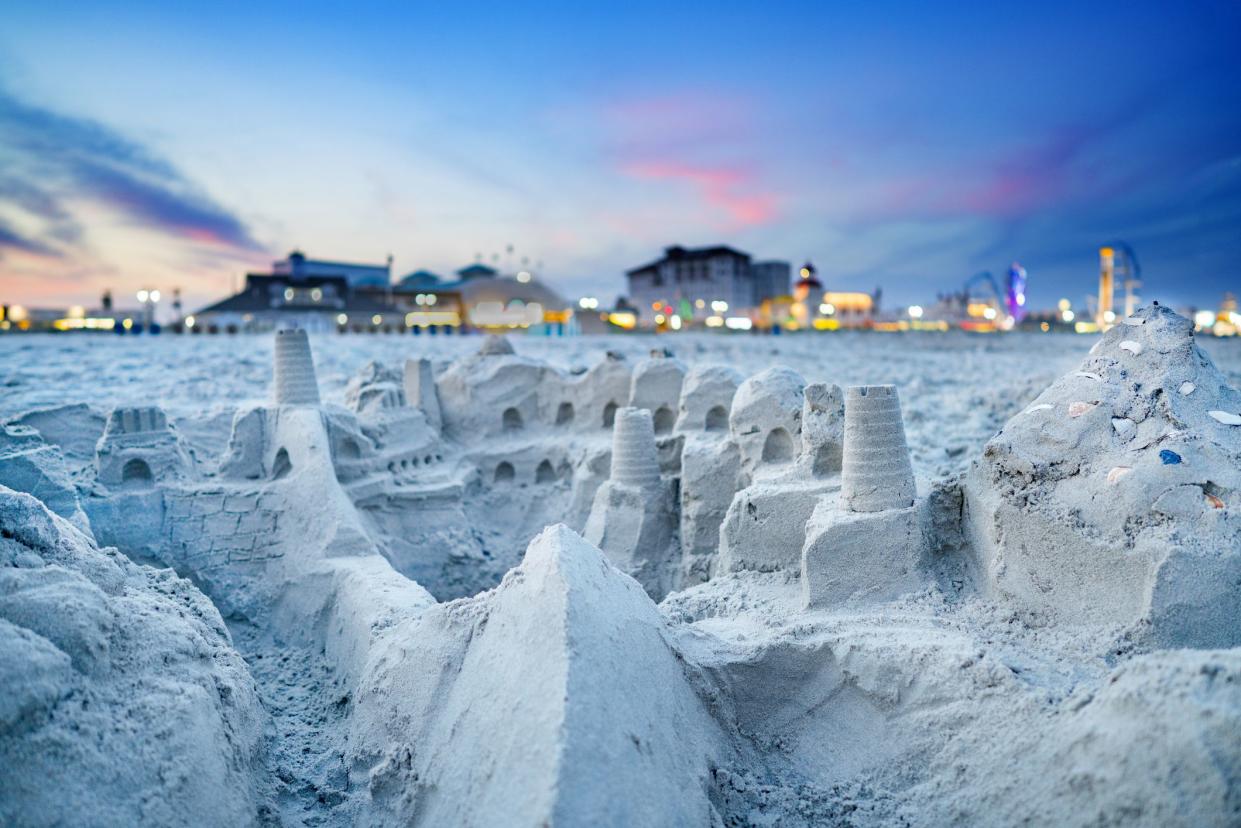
(902, 145)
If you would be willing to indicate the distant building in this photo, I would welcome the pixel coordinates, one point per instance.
(325, 296)
(315, 303)
(477, 271)
(771, 279)
(418, 280)
(701, 282)
(356, 275)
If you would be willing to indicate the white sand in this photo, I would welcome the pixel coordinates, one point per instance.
(996, 680)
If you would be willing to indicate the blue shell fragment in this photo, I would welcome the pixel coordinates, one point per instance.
(1169, 458)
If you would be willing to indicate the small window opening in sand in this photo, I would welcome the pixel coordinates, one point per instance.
(564, 414)
(717, 419)
(779, 447)
(511, 419)
(609, 415)
(281, 466)
(544, 473)
(136, 474)
(505, 472)
(664, 420)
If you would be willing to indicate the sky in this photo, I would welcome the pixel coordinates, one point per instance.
(902, 145)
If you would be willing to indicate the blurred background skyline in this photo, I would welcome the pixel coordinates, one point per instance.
(899, 145)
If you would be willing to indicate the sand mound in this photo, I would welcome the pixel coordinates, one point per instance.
(1114, 497)
(504, 708)
(124, 699)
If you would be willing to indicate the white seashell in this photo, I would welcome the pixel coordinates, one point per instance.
(1133, 320)
(1039, 407)
(1226, 417)
(1117, 473)
(1187, 388)
(1123, 425)
(1088, 375)
(1079, 408)
(1132, 347)
(1095, 346)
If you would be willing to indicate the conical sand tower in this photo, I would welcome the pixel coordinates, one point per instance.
(631, 518)
(634, 458)
(295, 369)
(876, 472)
(869, 545)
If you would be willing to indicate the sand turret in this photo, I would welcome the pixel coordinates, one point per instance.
(656, 386)
(867, 545)
(634, 460)
(876, 473)
(138, 447)
(632, 519)
(295, 369)
(420, 390)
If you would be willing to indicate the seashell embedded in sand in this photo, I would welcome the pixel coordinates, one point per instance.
(1117, 473)
(1226, 417)
(1039, 407)
(1215, 502)
(1124, 426)
(1134, 321)
(1079, 408)
(1088, 375)
(1187, 388)
(1132, 347)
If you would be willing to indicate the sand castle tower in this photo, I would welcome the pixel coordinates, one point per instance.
(868, 544)
(634, 458)
(295, 369)
(420, 391)
(138, 449)
(632, 518)
(876, 473)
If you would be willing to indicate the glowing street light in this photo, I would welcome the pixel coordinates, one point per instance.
(915, 311)
(1066, 315)
(143, 295)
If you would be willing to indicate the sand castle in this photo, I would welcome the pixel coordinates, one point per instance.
(295, 371)
(367, 558)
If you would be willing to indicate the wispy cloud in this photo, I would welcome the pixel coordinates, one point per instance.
(52, 163)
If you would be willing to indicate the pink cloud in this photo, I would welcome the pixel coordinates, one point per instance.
(726, 189)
